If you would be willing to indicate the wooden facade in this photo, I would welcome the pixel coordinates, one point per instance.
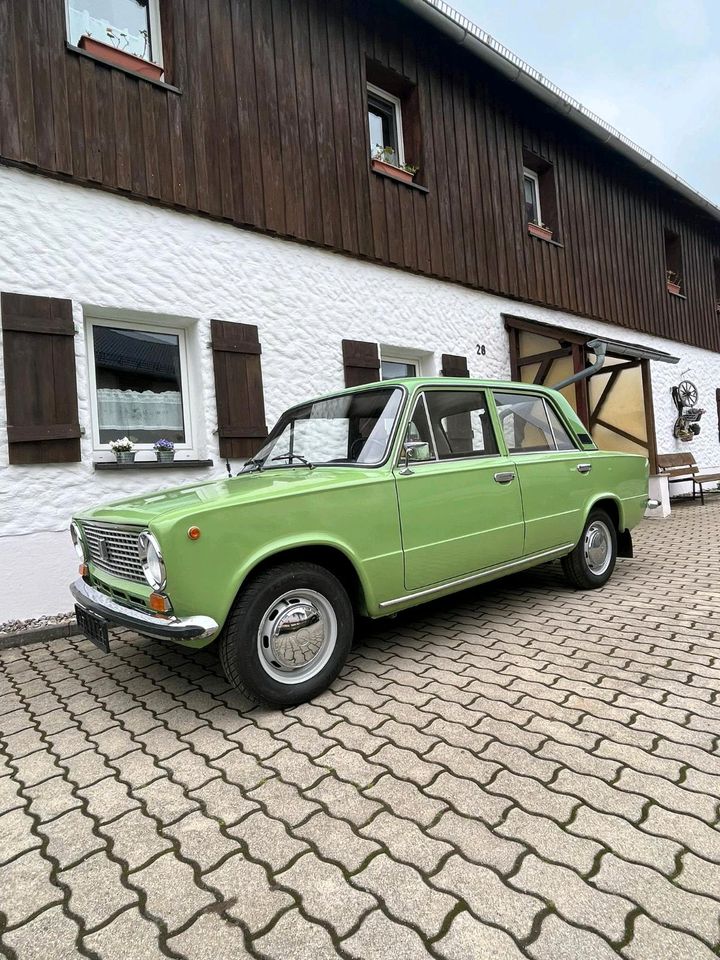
(262, 123)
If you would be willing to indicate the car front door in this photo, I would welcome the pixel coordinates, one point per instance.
(458, 496)
(554, 476)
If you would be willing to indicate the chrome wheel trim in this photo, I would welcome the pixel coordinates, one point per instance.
(597, 547)
(296, 636)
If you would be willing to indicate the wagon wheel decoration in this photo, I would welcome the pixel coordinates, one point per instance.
(687, 393)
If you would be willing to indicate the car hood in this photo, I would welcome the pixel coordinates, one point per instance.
(193, 500)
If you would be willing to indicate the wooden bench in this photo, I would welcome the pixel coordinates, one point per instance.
(682, 468)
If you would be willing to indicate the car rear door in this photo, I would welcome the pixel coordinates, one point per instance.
(554, 475)
(458, 498)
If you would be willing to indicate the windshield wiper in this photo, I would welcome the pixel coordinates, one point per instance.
(295, 456)
(253, 462)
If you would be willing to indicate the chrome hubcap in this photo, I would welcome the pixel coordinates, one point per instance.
(598, 547)
(297, 636)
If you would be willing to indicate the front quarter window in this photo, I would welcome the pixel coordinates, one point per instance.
(352, 429)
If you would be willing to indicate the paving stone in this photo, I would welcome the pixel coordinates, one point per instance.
(470, 799)
(406, 842)
(51, 798)
(380, 938)
(130, 927)
(49, 936)
(135, 839)
(702, 782)
(456, 734)
(488, 898)
(468, 938)
(598, 794)
(650, 941)
(108, 799)
(200, 940)
(283, 800)
(306, 740)
(462, 762)
(560, 941)
(224, 800)
(325, 893)
(550, 841)
(16, 835)
(691, 833)
(475, 842)
(70, 838)
(346, 801)
(171, 891)
(295, 938)
(626, 840)
(207, 741)
(96, 890)
(10, 798)
(295, 768)
(335, 840)
(405, 895)
(26, 887)
(575, 900)
(640, 759)
(663, 901)
(669, 795)
(699, 876)
(251, 898)
(268, 839)
(38, 767)
(406, 799)
(84, 769)
(356, 738)
(580, 760)
(137, 768)
(352, 766)
(533, 797)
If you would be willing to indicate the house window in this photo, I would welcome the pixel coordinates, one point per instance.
(531, 185)
(385, 123)
(674, 264)
(139, 383)
(131, 26)
(393, 368)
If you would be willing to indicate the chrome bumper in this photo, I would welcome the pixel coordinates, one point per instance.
(653, 504)
(150, 624)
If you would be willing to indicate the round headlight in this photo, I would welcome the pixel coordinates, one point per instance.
(151, 560)
(77, 540)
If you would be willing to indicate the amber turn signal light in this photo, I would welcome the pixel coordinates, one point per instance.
(159, 603)
(83, 569)
(194, 533)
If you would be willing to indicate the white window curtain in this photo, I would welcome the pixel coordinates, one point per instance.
(127, 410)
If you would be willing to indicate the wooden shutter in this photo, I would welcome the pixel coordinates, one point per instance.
(717, 402)
(238, 388)
(40, 387)
(362, 362)
(453, 366)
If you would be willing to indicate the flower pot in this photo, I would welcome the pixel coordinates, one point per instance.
(165, 456)
(392, 171)
(673, 288)
(535, 230)
(120, 58)
(125, 456)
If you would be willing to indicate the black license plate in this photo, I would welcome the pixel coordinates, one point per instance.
(94, 628)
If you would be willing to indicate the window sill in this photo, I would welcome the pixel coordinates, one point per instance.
(553, 243)
(678, 296)
(152, 465)
(403, 183)
(114, 66)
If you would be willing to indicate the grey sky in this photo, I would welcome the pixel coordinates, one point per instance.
(651, 68)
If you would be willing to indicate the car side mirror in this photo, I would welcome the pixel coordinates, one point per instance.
(415, 450)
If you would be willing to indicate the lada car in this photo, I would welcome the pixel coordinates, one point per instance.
(361, 503)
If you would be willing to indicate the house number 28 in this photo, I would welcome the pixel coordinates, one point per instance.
(481, 349)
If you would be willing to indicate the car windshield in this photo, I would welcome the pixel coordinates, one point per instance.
(352, 428)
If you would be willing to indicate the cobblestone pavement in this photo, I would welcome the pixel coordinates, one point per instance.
(519, 771)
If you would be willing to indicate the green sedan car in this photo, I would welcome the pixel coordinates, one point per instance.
(361, 503)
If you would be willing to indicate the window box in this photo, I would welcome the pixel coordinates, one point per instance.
(390, 170)
(120, 58)
(537, 230)
(673, 288)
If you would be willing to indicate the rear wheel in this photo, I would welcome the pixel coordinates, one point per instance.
(288, 635)
(592, 562)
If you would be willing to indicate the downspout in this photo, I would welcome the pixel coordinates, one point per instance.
(599, 348)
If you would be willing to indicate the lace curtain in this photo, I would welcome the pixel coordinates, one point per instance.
(127, 410)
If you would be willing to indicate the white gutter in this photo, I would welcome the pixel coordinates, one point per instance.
(466, 34)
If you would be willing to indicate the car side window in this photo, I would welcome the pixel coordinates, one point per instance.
(461, 423)
(530, 425)
(418, 431)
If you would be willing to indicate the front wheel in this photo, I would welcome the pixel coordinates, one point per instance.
(288, 635)
(592, 562)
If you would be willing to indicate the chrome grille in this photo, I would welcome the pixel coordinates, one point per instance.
(114, 548)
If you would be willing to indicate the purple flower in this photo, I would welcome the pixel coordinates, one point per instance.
(163, 445)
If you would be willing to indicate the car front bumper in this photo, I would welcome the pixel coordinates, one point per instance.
(158, 626)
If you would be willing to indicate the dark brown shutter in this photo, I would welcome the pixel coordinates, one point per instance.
(238, 388)
(40, 387)
(717, 401)
(453, 366)
(362, 362)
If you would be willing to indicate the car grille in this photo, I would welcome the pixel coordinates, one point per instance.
(114, 548)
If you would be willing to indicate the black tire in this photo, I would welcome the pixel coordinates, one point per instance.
(576, 566)
(253, 664)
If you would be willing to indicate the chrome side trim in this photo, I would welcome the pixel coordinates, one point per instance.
(483, 574)
(150, 624)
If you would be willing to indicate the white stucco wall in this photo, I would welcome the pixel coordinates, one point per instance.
(131, 259)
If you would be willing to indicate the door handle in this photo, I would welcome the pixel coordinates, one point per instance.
(504, 477)
(584, 467)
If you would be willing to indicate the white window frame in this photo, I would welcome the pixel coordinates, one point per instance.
(396, 104)
(91, 322)
(394, 356)
(156, 45)
(532, 175)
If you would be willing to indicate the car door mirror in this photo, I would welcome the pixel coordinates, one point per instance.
(415, 451)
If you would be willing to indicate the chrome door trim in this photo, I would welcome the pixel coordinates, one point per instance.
(482, 574)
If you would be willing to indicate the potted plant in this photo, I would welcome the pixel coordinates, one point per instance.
(116, 52)
(123, 450)
(717, 306)
(164, 450)
(673, 281)
(537, 229)
(385, 160)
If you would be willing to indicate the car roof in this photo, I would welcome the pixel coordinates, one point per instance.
(412, 383)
